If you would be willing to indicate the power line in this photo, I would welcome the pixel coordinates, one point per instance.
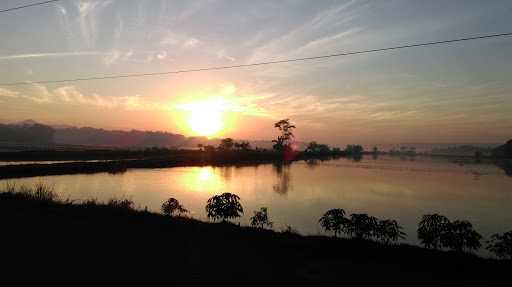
(92, 78)
(28, 5)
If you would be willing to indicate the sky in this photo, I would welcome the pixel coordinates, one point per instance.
(457, 93)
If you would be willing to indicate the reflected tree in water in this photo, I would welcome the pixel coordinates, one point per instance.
(173, 207)
(224, 207)
(260, 219)
(283, 184)
(501, 245)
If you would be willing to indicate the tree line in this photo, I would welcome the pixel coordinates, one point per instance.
(284, 143)
(434, 231)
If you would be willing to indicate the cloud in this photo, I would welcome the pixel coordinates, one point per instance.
(8, 93)
(51, 55)
(191, 43)
(162, 55)
(325, 30)
(88, 14)
(183, 41)
(221, 54)
(70, 95)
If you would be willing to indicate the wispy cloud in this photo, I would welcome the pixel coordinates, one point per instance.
(8, 93)
(71, 95)
(88, 18)
(52, 55)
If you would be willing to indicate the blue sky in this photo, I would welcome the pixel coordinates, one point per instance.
(452, 93)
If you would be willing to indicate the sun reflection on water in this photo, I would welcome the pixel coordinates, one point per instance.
(203, 179)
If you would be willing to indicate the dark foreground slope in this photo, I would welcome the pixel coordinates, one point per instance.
(44, 241)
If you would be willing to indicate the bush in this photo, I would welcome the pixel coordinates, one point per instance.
(173, 206)
(40, 192)
(389, 231)
(362, 226)
(224, 206)
(260, 218)
(334, 220)
(44, 192)
(125, 204)
(430, 229)
(460, 236)
(501, 245)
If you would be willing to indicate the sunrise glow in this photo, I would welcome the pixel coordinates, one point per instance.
(206, 117)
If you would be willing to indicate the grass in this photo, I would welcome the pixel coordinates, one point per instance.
(49, 240)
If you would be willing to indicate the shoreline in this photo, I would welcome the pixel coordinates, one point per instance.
(121, 161)
(94, 241)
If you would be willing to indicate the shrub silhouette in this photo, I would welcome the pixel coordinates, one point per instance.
(389, 230)
(334, 220)
(121, 204)
(224, 206)
(501, 245)
(460, 236)
(260, 218)
(172, 206)
(430, 229)
(362, 226)
(226, 144)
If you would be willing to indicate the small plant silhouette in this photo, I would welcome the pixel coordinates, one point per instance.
(172, 206)
(388, 231)
(501, 245)
(125, 204)
(460, 236)
(334, 220)
(260, 218)
(225, 206)
(430, 229)
(362, 226)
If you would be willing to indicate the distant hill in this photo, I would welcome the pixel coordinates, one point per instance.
(503, 150)
(27, 132)
(116, 138)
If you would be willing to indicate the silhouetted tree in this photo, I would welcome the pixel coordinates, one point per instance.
(226, 144)
(460, 236)
(354, 150)
(362, 226)
(209, 148)
(260, 218)
(243, 145)
(431, 228)
(283, 141)
(224, 206)
(334, 220)
(389, 230)
(172, 206)
(315, 148)
(501, 245)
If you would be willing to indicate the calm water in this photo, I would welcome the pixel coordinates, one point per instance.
(298, 194)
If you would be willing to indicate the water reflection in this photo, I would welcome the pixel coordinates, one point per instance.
(202, 179)
(298, 194)
(283, 185)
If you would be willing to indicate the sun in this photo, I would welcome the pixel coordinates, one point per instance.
(206, 118)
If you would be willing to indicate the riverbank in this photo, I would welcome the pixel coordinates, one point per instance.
(46, 240)
(123, 160)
